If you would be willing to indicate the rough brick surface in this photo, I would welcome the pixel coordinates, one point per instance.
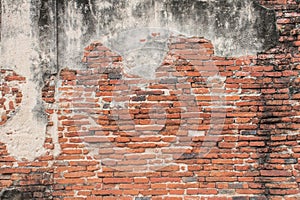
(111, 150)
(11, 95)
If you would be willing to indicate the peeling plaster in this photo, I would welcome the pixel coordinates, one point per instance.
(38, 38)
(24, 134)
(235, 27)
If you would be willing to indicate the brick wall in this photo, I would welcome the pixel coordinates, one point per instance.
(205, 127)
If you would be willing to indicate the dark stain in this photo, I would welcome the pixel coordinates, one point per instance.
(87, 12)
(294, 90)
(226, 22)
(110, 16)
(144, 8)
(248, 132)
(142, 198)
(138, 98)
(240, 198)
(44, 18)
(203, 17)
(92, 19)
(48, 37)
(11, 194)
(188, 156)
(266, 26)
(291, 161)
(114, 75)
(258, 198)
(63, 21)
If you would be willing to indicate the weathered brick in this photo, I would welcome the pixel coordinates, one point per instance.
(109, 120)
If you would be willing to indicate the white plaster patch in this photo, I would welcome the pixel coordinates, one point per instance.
(24, 134)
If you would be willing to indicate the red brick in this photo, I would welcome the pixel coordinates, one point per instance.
(246, 158)
(275, 173)
(117, 180)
